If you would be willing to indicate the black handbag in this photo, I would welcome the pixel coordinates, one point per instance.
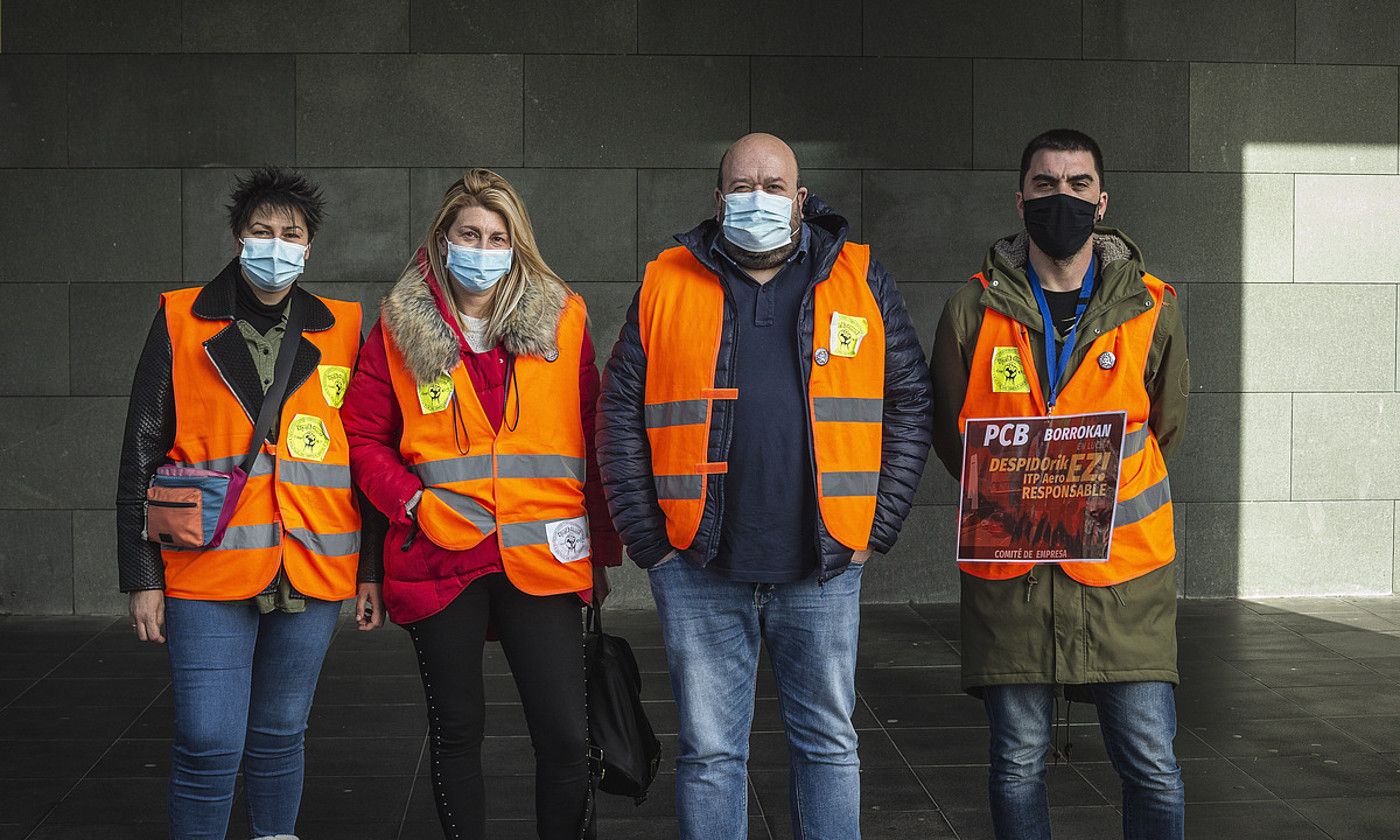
(624, 753)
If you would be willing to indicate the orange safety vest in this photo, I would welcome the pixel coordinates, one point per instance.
(299, 486)
(681, 315)
(524, 482)
(1143, 539)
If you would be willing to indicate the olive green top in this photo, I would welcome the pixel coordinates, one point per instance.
(263, 349)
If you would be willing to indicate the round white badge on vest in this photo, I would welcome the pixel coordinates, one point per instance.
(821, 357)
(1107, 360)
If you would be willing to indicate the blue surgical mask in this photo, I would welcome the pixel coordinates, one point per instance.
(758, 221)
(272, 264)
(478, 269)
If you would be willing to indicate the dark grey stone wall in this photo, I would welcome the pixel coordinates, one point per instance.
(1252, 149)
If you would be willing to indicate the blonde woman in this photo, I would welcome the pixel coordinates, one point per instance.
(470, 421)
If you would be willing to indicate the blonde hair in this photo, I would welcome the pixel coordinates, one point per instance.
(484, 188)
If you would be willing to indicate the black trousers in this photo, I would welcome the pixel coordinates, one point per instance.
(543, 641)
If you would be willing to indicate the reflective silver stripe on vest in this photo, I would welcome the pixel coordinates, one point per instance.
(1143, 504)
(1135, 442)
(467, 468)
(680, 486)
(678, 413)
(328, 545)
(850, 483)
(516, 534)
(469, 509)
(262, 465)
(540, 466)
(243, 537)
(848, 410)
(313, 474)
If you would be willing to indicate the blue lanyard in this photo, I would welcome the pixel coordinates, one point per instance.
(1055, 358)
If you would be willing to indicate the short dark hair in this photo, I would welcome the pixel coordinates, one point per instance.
(270, 187)
(1061, 140)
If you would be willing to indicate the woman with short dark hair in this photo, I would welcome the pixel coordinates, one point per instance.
(238, 530)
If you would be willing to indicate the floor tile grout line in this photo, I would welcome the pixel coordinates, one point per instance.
(1345, 734)
(1276, 620)
(1228, 759)
(412, 786)
(762, 812)
(1074, 766)
(60, 664)
(907, 766)
(86, 773)
(96, 761)
(1286, 803)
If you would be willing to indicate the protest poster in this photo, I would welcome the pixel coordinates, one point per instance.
(1039, 489)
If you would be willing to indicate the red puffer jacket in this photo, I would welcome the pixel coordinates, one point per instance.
(425, 578)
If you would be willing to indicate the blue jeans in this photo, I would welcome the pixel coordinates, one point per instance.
(713, 627)
(1138, 721)
(243, 684)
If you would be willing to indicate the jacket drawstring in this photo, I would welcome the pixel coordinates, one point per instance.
(459, 423)
(1065, 752)
(1031, 581)
(460, 432)
(512, 387)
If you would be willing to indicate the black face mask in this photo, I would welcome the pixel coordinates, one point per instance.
(1060, 224)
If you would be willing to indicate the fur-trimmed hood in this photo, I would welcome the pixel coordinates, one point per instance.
(422, 326)
(1118, 275)
(1109, 246)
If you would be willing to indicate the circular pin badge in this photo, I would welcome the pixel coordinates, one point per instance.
(551, 354)
(1107, 360)
(822, 356)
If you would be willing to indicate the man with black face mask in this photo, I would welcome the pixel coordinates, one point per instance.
(1063, 319)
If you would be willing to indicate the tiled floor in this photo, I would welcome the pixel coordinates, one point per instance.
(1290, 728)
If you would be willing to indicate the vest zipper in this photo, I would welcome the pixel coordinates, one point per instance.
(1030, 354)
(728, 432)
(805, 359)
(1031, 581)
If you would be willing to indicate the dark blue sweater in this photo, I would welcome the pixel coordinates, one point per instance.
(768, 533)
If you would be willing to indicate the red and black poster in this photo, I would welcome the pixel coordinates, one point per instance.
(1039, 489)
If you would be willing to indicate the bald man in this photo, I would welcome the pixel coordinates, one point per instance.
(763, 424)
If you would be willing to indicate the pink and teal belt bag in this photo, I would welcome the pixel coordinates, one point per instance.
(190, 507)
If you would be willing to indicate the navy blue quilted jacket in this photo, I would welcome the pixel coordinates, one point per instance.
(624, 453)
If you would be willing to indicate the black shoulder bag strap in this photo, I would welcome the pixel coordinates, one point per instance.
(282, 374)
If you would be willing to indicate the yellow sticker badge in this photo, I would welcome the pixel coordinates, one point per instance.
(436, 395)
(307, 438)
(334, 380)
(1008, 373)
(847, 331)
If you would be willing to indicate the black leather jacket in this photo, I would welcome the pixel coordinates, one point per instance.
(624, 453)
(150, 423)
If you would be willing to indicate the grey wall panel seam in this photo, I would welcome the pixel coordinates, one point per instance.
(296, 114)
(67, 112)
(1292, 432)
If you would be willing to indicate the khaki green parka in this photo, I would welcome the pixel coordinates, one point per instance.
(1045, 627)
